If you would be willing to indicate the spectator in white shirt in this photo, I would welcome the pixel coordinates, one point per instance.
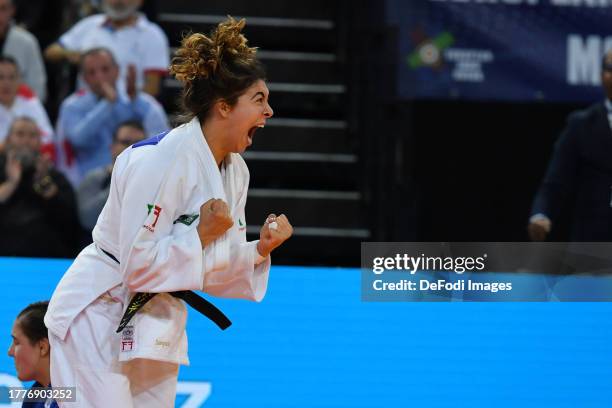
(17, 100)
(132, 38)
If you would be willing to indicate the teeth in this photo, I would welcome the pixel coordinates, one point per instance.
(261, 126)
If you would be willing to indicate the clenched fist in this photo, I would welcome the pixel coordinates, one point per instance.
(274, 232)
(215, 219)
(539, 228)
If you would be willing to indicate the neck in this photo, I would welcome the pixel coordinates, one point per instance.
(4, 31)
(7, 103)
(125, 22)
(214, 137)
(45, 377)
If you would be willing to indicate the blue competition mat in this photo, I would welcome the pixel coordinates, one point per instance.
(313, 343)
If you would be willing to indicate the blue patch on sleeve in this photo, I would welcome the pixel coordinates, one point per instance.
(153, 140)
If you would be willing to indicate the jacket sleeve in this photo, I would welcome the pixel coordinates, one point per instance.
(154, 117)
(91, 197)
(241, 277)
(81, 127)
(158, 254)
(73, 38)
(561, 175)
(35, 74)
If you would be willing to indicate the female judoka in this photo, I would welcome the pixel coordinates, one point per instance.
(174, 221)
(30, 351)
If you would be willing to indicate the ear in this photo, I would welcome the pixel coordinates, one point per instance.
(223, 108)
(44, 348)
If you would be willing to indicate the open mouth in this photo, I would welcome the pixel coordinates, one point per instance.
(252, 131)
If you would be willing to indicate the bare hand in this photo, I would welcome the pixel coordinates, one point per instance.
(215, 220)
(131, 82)
(538, 229)
(273, 233)
(13, 169)
(74, 57)
(108, 92)
(43, 182)
(43, 165)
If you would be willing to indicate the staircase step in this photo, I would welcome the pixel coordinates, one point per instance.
(303, 36)
(358, 233)
(306, 72)
(307, 135)
(313, 9)
(253, 21)
(325, 101)
(306, 175)
(300, 157)
(266, 55)
(291, 103)
(297, 67)
(308, 208)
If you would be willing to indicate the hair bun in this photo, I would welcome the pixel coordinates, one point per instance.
(200, 56)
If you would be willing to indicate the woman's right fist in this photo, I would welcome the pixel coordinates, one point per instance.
(215, 219)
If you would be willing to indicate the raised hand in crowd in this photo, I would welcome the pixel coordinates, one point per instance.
(13, 171)
(130, 80)
(108, 91)
(43, 181)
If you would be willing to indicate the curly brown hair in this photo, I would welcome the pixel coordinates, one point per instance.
(216, 67)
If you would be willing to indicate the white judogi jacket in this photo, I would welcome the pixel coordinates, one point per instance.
(149, 223)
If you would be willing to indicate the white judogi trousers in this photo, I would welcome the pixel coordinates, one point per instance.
(102, 381)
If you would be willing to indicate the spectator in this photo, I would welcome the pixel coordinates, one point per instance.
(579, 175)
(17, 100)
(37, 206)
(88, 118)
(23, 47)
(31, 351)
(130, 36)
(93, 191)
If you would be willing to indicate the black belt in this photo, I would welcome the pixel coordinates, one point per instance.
(190, 297)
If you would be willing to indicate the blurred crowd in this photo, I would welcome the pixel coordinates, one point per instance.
(79, 83)
(81, 80)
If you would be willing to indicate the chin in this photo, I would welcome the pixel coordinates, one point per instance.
(23, 377)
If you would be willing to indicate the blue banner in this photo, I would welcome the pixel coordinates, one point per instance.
(511, 50)
(313, 343)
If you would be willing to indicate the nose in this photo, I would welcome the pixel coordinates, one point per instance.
(268, 112)
(11, 353)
